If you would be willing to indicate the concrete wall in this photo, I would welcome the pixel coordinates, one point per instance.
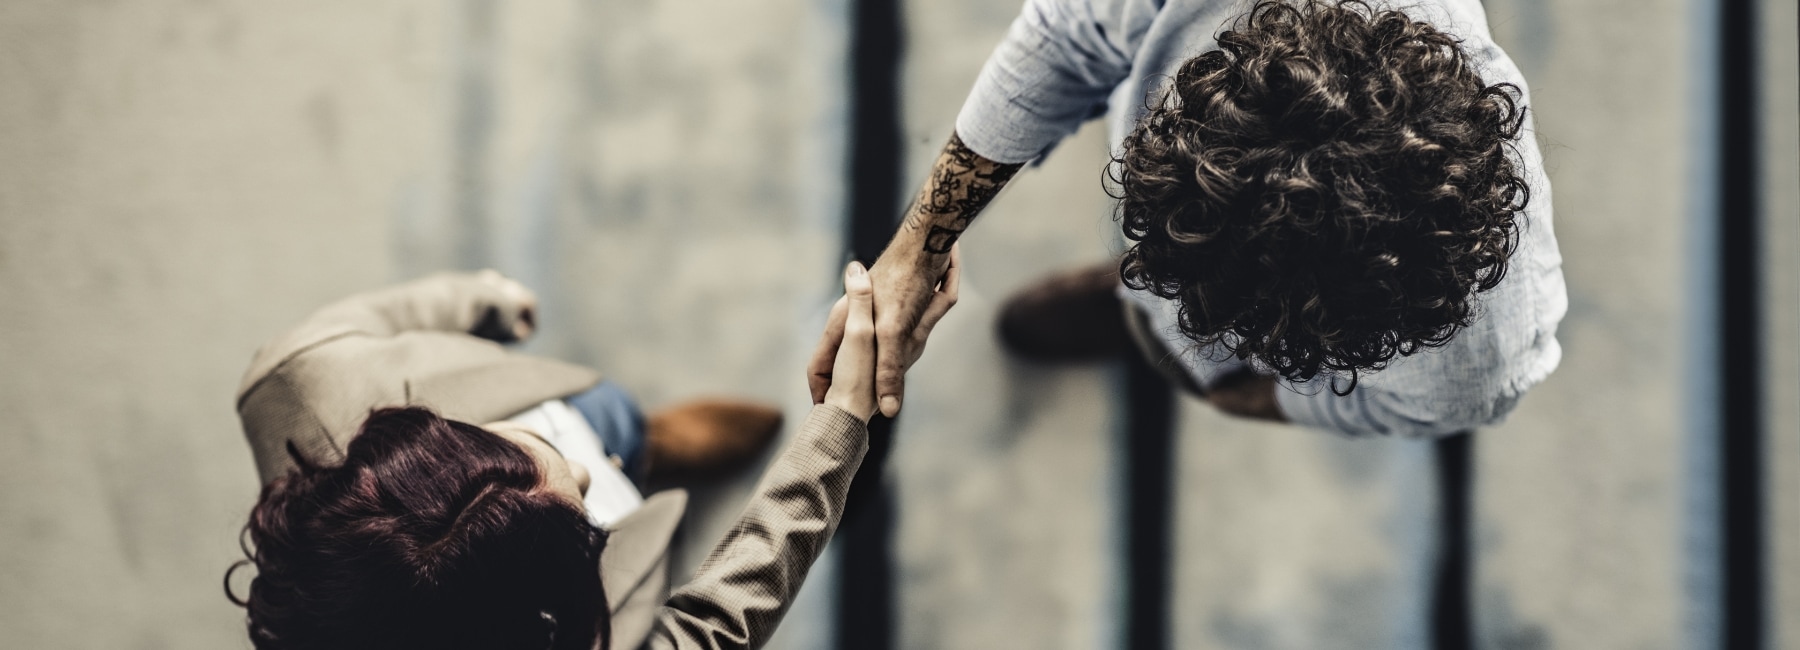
(1582, 495)
(175, 186)
(1779, 60)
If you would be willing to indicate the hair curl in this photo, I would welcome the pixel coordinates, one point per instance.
(431, 534)
(1325, 191)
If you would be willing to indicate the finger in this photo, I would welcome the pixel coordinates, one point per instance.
(527, 322)
(860, 292)
(517, 303)
(853, 376)
(893, 339)
(945, 298)
(856, 353)
(890, 381)
(818, 368)
(953, 275)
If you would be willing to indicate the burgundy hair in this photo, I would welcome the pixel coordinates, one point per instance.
(431, 534)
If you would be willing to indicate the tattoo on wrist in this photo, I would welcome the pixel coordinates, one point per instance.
(940, 239)
(962, 183)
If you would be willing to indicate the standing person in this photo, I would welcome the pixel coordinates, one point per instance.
(1336, 212)
(388, 520)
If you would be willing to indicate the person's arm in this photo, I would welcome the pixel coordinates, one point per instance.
(1054, 70)
(962, 183)
(740, 593)
(1247, 395)
(486, 304)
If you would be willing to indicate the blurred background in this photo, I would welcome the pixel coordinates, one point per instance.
(179, 181)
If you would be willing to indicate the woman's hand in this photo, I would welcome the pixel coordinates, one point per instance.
(851, 382)
(828, 367)
(512, 312)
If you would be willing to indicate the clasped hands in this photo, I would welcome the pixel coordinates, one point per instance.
(871, 339)
(843, 372)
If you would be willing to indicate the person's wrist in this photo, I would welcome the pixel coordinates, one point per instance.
(907, 250)
(912, 261)
(861, 409)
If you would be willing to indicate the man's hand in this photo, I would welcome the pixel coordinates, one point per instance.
(910, 299)
(920, 265)
(1247, 395)
(902, 323)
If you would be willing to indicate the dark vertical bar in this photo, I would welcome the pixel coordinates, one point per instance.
(866, 603)
(1451, 618)
(1149, 503)
(1741, 430)
(866, 576)
(875, 129)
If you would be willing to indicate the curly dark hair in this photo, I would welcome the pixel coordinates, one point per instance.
(431, 534)
(1324, 192)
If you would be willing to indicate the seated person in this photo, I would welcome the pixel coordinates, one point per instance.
(388, 520)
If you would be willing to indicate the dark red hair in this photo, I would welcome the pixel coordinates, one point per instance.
(431, 534)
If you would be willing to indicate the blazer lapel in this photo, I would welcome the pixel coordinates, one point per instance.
(637, 543)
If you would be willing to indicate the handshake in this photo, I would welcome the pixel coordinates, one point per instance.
(857, 366)
(843, 368)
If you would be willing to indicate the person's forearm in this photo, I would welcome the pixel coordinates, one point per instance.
(915, 270)
(960, 186)
(741, 591)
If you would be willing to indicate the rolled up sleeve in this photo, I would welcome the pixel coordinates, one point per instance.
(1059, 62)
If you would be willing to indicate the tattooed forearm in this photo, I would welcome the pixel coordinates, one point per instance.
(962, 183)
(940, 239)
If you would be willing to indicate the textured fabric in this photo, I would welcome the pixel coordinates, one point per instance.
(745, 586)
(408, 345)
(1065, 61)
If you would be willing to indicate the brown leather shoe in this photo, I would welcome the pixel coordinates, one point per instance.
(1071, 316)
(707, 435)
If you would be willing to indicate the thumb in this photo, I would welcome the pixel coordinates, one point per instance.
(854, 368)
(859, 319)
(861, 293)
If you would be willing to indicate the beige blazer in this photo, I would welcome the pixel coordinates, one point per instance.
(409, 345)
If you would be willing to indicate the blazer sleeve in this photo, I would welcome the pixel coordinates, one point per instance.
(740, 593)
(474, 303)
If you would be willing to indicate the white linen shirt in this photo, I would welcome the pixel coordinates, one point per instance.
(610, 494)
(1064, 62)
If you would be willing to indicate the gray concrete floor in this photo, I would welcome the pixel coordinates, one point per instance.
(179, 183)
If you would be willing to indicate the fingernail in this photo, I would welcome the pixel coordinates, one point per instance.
(857, 270)
(890, 404)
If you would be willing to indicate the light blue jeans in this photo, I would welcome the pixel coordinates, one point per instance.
(615, 417)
